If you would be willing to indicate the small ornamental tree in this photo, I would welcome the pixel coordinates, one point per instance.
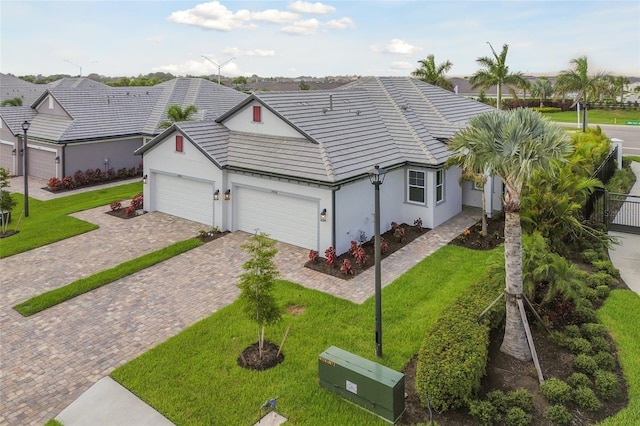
(7, 203)
(256, 284)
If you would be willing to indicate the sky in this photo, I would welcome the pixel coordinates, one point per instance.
(318, 39)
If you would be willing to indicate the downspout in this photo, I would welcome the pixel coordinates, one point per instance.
(333, 215)
(64, 160)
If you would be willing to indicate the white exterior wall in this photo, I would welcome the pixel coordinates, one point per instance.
(191, 163)
(452, 203)
(271, 124)
(492, 193)
(320, 195)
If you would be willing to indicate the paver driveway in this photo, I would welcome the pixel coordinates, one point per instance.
(49, 359)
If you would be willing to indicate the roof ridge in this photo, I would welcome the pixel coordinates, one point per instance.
(428, 101)
(402, 113)
(327, 162)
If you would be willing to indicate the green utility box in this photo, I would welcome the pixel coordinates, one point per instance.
(368, 384)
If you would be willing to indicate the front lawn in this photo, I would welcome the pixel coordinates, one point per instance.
(193, 378)
(595, 116)
(49, 221)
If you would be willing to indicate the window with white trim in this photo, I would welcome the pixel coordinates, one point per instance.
(439, 186)
(257, 114)
(416, 186)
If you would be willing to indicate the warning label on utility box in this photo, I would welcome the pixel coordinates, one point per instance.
(352, 387)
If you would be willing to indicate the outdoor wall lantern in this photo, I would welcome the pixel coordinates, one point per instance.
(227, 195)
(216, 195)
(145, 179)
(323, 215)
(13, 152)
(57, 159)
(21, 152)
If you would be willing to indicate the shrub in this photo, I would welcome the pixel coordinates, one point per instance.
(520, 398)
(585, 363)
(398, 232)
(603, 291)
(346, 267)
(586, 313)
(130, 211)
(67, 182)
(78, 178)
(330, 255)
(558, 415)
(600, 344)
(580, 345)
(556, 391)
(606, 266)
(579, 379)
(54, 184)
(599, 278)
(572, 331)
(499, 400)
(548, 110)
(360, 255)
(560, 338)
(313, 255)
(605, 360)
(593, 329)
(384, 246)
(516, 416)
(606, 384)
(453, 355)
(137, 202)
(591, 255)
(484, 412)
(115, 206)
(585, 398)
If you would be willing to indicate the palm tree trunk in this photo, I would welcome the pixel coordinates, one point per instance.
(515, 338)
(499, 96)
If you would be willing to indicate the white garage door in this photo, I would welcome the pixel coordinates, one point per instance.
(285, 218)
(7, 158)
(42, 163)
(183, 197)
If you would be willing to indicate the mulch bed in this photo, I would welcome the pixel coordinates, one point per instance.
(321, 265)
(252, 360)
(122, 213)
(505, 372)
(212, 236)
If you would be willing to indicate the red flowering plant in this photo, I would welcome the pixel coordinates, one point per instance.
(330, 255)
(313, 255)
(346, 267)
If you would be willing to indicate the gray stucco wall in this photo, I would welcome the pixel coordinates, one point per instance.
(118, 154)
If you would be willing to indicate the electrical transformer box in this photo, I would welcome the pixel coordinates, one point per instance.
(368, 384)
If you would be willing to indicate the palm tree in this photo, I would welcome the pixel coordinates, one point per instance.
(432, 74)
(495, 72)
(619, 83)
(12, 102)
(512, 145)
(175, 114)
(543, 89)
(578, 80)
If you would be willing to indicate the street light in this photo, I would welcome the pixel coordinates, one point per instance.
(219, 65)
(25, 127)
(376, 176)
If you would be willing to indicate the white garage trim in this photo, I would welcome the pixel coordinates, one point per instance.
(286, 217)
(183, 196)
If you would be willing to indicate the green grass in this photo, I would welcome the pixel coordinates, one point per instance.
(49, 221)
(595, 116)
(633, 158)
(193, 378)
(84, 285)
(621, 314)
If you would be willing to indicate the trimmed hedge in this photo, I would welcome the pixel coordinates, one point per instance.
(453, 357)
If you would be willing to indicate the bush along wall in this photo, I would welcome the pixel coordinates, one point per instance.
(453, 356)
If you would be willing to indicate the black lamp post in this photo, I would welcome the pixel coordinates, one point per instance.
(376, 176)
(25, 127)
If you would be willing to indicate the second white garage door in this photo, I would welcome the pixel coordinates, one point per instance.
(285, 218)
(183, 197)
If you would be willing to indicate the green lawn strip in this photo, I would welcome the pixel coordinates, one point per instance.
(84, 285)
(633, 158)
(596, 116)
(621, 314)
(193, 378)
(49, 221)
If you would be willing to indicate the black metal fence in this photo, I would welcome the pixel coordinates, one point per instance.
(622, 212)
(593, 209)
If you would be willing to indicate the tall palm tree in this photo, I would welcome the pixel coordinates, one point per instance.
(175, 113)
(543, 89)
(578, 80)
(619, 83)
(432, 74)
(513, 145)
(495, 72)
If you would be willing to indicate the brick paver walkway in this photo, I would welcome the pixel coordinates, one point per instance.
(51, 358)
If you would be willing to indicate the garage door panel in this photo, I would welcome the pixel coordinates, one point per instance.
(183, 197)
(42, 163)
(286, 218)
(7, 158)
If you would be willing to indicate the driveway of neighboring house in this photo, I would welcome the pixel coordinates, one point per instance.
(49, 359)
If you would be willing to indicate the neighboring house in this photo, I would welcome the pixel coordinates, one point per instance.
(295, 164)
(79, 124)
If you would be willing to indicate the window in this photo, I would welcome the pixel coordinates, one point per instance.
(478, 186)
(179, 145)
(50, 102)
(416, 190)
(257, 114)
(439, 186)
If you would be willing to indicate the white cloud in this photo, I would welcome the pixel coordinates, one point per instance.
(303, 27)
(314, 8)
(401, 66)
(340, 24)
(215, 16)
(401, 47)
(255, 52)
